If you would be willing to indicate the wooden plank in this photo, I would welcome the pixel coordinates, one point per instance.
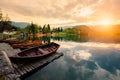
(25, 70)
(19, 71)
(31, 67)
(28, 68)
(22, 69)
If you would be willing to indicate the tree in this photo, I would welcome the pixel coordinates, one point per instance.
(5, 23)
(0, 15)
(58, 29)
(61, 29)
(32, 29)
(40, 29)
(44, 29)
(48, 28)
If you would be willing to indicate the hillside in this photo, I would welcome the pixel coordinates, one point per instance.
(20, 24)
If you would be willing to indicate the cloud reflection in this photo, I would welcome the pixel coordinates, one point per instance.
(84, 61)
(70, 45)
(81, 55)
(99, 59)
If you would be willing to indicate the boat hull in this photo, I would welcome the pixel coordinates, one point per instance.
(29, 59)
(35, 53)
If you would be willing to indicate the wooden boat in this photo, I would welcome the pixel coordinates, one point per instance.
(27, 44)
(35, 53)
(12, 41)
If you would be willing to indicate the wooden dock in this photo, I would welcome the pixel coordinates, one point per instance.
(25, 69)
(21, 70)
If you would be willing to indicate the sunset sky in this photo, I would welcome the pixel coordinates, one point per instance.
(62, 12)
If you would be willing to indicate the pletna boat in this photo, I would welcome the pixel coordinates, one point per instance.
(35, 53)
(12, 41)
(27, 44)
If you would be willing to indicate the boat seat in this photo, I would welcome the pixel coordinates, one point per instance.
(43, 51)
(48, 49)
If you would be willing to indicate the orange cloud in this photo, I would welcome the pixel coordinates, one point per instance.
(43, 12)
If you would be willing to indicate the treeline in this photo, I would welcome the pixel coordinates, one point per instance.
(34, 28)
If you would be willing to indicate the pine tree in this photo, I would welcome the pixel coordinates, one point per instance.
(43, 29)
(40, 29)
(48, 28)
(61, 29)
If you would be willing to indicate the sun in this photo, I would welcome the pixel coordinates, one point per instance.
(106, 22)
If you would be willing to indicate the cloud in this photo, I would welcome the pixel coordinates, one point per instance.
(63, 10)
(83, 12)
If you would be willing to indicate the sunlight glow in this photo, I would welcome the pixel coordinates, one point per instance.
(106, 22)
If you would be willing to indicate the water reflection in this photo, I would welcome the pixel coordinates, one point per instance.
(108, 59)
(47, 39)
(102, 60)
(80, 54)
(58, 38)
(83, 61)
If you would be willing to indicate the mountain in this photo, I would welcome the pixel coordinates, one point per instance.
(20, 24)
(64, 27)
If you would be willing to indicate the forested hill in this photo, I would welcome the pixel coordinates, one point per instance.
(20, 24)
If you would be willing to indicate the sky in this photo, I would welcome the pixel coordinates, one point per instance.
(62, 12)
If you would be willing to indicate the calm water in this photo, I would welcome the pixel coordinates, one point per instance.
(82, 60)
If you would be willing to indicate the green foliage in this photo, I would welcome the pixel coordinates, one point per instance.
(56, 30)
(32, 28)
(69, 31)
(46, 29)
(40, 29)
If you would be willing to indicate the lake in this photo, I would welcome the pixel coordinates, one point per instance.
(83, 60)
